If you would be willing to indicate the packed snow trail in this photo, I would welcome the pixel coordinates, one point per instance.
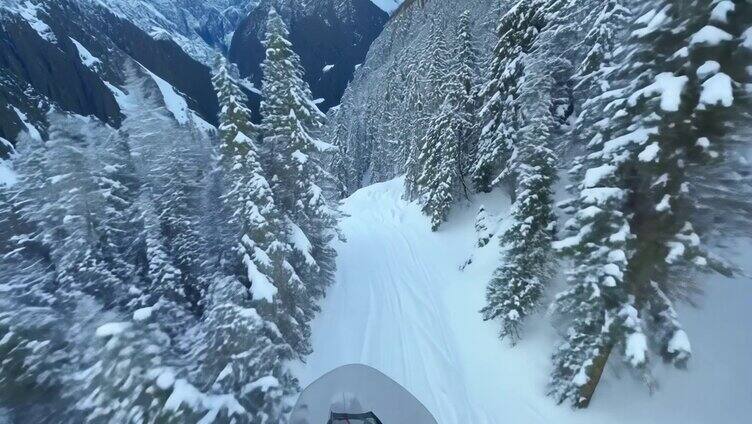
(389, 288)
(402, 305)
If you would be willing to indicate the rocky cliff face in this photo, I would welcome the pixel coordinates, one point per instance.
(332, 38)
(199, 27)
(70, 55)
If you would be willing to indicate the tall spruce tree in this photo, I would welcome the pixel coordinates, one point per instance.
(634, 238)
(437, 64)
(263, 251)
(246, 353)
(517, 31)
(466, 71)
(518, 284)
(439, 180)
(290, 124)
(437, 168)
(517, 287)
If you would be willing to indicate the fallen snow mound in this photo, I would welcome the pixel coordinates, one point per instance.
(402, 305)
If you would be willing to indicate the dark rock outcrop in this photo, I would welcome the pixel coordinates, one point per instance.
(323, 33)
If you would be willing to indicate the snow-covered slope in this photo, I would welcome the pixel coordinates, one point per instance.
(402, 305)
(200, 27)
(391, 58)
(388, 6)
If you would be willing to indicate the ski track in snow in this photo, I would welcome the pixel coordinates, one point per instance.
(401, 305)
(390, 287)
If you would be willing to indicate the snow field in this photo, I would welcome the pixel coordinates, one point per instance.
(401, 304)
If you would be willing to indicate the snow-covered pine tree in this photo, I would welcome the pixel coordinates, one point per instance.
(263, 251)
(32, 342)
(290, 123)
(529, 120)
(161, 289)
(482, 227)
(121, 379)
(74, 209)
(342, 167)
(634, 242)
(499, 115)
(437, 65)
(119, 226)
(518, 284)
(412, 143)
(177, 173)
(437, 169)
(245, 353)
(604, 24)
(466, 71)
(439, 179)
(234, 115)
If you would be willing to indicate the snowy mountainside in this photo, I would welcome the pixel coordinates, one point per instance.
(402, 44)
(69, 55)
(200, 27)
(402, 304)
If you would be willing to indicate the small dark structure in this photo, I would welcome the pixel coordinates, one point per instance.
(366, 418)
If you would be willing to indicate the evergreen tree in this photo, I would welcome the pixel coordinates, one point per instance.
(439, 179)
(517, 31)
(635, 241)
(119, 227)
(437, 65)
(178, 172)
(412, 144)
(438, 171)
(263, 251)
(518, 284)
(290, 122)
(74, 222)
(234, 115)
(245, 353)
(125, 380)
(605, 21)
(162, 291)
(466, 72)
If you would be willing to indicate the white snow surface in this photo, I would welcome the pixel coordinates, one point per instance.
(721, 11)
(112, 329)
(668, 85)
(401, 304)
(30, 12)
(387, 6)
(710, 35)
(31, 129)
(261, 287)
(143, 314)
(174, 102)
(8, 176)
(718, 89)
(88, 59)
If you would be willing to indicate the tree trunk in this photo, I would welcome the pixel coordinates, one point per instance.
(596, 371)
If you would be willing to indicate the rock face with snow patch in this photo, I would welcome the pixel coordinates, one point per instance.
(64, 54)
(323, 33)
(199, 27)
